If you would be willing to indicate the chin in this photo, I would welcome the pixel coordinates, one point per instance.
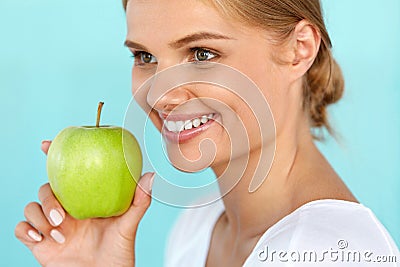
(189, 158)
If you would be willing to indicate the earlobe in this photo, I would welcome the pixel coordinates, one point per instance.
(307, 42)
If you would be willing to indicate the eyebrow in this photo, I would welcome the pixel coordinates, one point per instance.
(184, 41)
(134, 45)
(198, 37)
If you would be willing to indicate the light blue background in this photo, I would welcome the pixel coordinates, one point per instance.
(59, 58)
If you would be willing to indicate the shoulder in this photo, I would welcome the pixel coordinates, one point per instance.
(194, 219)
(336, 220)
(328, 226)
(189, 239)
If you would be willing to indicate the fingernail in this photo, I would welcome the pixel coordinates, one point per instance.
(57, 236)
(55, 217)
(146, 187)
(151, 180)
(34, 235)
(44, 145)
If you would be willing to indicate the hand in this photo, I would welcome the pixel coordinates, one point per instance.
(56, 239)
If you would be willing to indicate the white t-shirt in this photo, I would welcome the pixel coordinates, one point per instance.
(320, 233)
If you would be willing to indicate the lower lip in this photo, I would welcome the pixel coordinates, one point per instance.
(187, 135)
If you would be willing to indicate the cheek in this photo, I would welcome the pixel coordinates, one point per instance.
(140, 93)
(136, 81)
(140, 76)
(155, 119)
(258, 113)
(271, 80)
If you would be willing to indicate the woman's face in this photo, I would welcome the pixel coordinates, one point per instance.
(162, 34)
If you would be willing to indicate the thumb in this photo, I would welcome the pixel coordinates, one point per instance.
(45, 146)
(141, 202)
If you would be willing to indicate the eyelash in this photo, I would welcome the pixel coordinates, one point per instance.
(210, 51)
(137, 55)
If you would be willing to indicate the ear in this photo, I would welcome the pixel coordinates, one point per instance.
(306, 40)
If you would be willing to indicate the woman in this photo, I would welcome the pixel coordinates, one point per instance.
(302, 206)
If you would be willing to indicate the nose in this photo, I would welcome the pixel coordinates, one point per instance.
(164, 94)
(169, 100)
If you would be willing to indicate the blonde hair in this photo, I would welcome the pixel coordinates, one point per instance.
(323, 83)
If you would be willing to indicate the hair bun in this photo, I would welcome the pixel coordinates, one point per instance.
(324, 86)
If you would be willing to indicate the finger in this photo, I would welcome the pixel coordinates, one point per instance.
(141, 203)
(27, 234)
(142, 196)
(45, 146)
(34, 215)
(51, 207)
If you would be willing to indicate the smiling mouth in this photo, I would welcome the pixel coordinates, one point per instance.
(180, 131)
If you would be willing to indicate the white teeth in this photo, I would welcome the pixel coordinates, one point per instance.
(177, 126)
(171, 126)
(196, 122)
(188, 125)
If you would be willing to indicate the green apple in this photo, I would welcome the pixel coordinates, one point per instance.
(93, 170)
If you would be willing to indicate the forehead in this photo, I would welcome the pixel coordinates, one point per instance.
(166, 19)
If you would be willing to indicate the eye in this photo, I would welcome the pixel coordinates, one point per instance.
(142, 58)
(202, 54)
(148, 58)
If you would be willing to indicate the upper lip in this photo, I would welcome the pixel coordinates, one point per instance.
(182, 117)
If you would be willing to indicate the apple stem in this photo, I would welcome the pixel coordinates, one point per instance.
(100, 107)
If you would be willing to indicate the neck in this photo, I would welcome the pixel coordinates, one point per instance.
(248, 215)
